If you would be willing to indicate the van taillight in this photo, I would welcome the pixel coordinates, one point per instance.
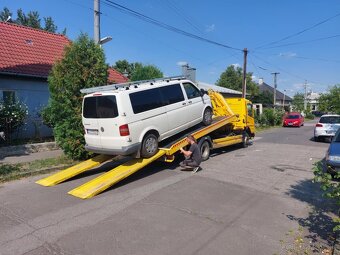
(124, 130)
(319, 125)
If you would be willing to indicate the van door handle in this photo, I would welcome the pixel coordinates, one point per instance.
(184, 103)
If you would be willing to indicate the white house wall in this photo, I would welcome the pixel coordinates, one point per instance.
(35, 94)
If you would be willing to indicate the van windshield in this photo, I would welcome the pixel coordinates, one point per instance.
(99, 107)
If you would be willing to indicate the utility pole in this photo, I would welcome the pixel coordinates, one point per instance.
(244, 80)
(305, 97)
(275, 86)
(96, 22)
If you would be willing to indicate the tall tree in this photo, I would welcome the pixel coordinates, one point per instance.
(232, 78)
(146, 72)
(137, 71)
(298, 102)
(32, 19)
(83, 66)
(4, 14)
(49, 25)
(265, 98)
(330, 101)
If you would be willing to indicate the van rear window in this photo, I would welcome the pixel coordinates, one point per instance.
(100, 107)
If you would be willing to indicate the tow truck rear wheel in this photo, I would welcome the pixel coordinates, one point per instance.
(205, 150)
(149, 145)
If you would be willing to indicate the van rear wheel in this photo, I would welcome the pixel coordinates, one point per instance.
(205, 150)
(149, 145)
(207, 117)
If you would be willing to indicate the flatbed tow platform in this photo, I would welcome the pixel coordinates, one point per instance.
(166, 153)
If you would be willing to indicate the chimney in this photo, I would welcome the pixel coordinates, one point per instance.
(260, 81)
(189, 72)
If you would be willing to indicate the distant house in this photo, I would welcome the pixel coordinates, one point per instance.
(313, 99)
(281, 98)
(26, 59)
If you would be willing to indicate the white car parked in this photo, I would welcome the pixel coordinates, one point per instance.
(327, 126)
(133, 119)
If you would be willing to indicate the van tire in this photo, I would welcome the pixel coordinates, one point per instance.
(205, 150)
(207, 117)
(149, 145)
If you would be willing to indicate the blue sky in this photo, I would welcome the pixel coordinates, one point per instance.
(240, 24)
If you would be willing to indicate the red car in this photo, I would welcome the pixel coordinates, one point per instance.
(293, 119)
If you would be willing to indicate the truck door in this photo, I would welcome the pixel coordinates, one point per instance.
(250, 118)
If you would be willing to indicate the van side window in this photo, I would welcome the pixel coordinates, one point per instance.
(146, 100)
(191, 90)
(172, 94)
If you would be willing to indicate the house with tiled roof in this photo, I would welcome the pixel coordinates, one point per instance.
(26, 59)
(282, 99)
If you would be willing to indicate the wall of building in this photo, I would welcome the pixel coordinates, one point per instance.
(34, 93)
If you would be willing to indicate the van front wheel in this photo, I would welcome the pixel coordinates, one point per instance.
(207, 117)
(149, 145)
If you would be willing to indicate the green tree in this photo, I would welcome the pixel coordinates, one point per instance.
(32, 19)
(330, 101)
(49, 25)
(123, 66)
(298, 102)
(4, 14)
(146, 72)
(82, 66)
(232, 78)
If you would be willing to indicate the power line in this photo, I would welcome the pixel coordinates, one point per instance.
(164, 25)
(183, 16)
(303, 42)
(300, 32)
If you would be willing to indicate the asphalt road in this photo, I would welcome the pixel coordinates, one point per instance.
(244, 201)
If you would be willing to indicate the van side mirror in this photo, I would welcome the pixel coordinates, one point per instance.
(202, 92)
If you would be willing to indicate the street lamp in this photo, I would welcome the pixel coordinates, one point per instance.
(104, 40)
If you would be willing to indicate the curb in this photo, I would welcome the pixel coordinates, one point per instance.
(27, 149)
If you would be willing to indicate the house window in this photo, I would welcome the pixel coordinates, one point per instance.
(8, 96)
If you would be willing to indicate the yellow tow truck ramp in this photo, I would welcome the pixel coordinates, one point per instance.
(104, 181)
(73, 171)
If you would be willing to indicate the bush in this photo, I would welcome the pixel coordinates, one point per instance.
(12, 116)
(83, 66)
(330, 188)
(309, 116)
(269, 117)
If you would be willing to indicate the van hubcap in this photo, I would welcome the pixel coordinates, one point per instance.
(150, 145)
(207, 116)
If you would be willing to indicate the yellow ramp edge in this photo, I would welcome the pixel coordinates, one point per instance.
(73, 171)
(104, 181)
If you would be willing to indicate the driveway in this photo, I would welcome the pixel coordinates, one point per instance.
(244, 201)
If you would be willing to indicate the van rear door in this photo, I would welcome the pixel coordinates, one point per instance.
(99, 114)
(90, 121)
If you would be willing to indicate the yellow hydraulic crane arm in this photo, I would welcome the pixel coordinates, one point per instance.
(220, 106)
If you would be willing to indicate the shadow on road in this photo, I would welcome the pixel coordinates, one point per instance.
(319, 221)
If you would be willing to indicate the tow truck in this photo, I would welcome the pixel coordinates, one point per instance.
(233, 123)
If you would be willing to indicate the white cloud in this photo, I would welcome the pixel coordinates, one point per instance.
(288, 54)
(254, 78)
(209, 28)
(181, 63)
(236, 65)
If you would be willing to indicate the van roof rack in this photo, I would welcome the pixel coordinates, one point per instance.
(128, 84)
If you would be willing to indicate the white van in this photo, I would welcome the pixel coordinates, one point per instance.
(133, 119)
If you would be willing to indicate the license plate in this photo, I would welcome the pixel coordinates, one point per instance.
(330, 132)
(290, 124)
(92, 131)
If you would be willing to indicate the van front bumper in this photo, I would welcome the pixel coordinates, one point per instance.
(124, 151)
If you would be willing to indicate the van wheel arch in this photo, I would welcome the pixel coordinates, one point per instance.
(149, 145)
